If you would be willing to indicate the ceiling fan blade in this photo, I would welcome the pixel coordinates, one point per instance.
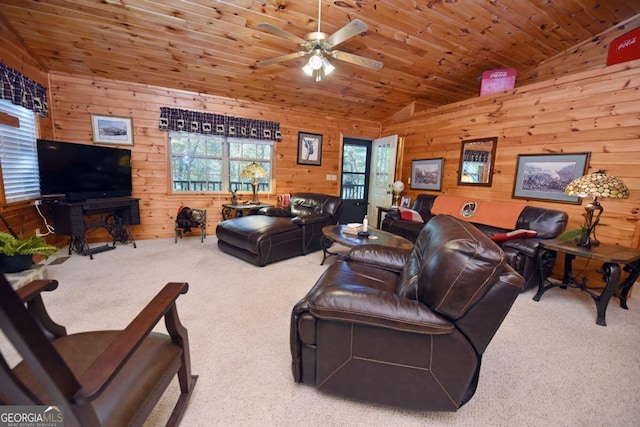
(351, 29)
(357, 60)
(282, 33)
(282, 58)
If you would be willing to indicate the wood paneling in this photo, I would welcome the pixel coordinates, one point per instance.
(433, 51)
(596, 111)
(75, 98)
(569, 103)
(23, 217)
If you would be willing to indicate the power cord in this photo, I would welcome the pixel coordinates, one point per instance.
(50, 229)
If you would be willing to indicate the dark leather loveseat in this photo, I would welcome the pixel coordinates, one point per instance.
(280, 232)
(404, 327)
(521, 253)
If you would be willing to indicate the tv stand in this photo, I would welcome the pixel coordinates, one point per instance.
(75, 219)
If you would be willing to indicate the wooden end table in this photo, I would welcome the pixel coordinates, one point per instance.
(236, 211)
(334, 233)
(614, 259)
(383, 209)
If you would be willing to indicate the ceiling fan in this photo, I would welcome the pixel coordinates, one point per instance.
(320, 46)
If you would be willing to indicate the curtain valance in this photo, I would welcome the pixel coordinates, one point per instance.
(21, 90)
(217, 124)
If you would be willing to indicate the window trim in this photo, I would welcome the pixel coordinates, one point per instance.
(226, 160)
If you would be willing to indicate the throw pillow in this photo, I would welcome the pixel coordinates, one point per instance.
(515, 234)
(410, 215)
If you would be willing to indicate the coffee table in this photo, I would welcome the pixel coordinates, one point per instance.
(335, 234)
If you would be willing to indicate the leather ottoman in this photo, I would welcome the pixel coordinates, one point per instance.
(260, 239)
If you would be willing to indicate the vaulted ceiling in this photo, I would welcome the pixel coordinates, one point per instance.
(434, 51)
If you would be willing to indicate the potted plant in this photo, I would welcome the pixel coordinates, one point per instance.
(16, 254)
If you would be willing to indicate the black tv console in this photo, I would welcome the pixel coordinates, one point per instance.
(116, 216)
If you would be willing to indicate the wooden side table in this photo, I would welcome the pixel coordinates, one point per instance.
(614, 259)
(382, 209)
(235, 211)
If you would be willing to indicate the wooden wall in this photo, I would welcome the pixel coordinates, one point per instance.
(72, 100)
(594, 110)
(587, 56)
(23, 217)
(75, 98)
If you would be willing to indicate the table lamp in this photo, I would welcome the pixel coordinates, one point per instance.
(597, 184)
(397, 187)
(254, 171)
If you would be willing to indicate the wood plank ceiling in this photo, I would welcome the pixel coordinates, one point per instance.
(434, 51)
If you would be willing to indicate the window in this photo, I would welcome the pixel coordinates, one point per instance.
(18, 153)
(203, 163)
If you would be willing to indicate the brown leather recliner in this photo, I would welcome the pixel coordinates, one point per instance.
(280, 232)
(405, 328)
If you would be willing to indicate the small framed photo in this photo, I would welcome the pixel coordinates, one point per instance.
(545, 176)
(309, 149)
(405, 201)
(426, 174)
(112, 130)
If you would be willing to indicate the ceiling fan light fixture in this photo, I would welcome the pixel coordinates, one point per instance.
(307, 70)
(315, 62)
(319, 44)
(319, 74)
(327, 67)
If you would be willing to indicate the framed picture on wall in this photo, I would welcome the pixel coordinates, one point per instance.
(309, 149)
(112, 130)
(545, 176)
(426, 174)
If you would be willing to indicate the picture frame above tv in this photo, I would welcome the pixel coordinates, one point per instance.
(112, 130)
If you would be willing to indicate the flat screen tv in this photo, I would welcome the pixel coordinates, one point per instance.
(76, 172)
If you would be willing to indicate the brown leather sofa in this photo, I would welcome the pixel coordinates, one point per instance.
(521, 253)
(405, 328)
(280, 232)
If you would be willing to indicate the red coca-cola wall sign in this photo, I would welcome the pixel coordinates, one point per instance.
(494, 81)
(625, 48)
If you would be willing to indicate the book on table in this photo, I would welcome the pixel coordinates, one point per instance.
(352, 228)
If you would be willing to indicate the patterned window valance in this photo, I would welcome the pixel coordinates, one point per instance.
(21, 90)
(217, 124)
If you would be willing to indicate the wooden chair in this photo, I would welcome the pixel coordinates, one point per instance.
(99, 378)
(188, 220)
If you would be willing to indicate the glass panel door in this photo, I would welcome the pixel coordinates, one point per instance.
(355, 179)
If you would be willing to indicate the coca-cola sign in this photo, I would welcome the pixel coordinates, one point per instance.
(624, 48)
(494, 81)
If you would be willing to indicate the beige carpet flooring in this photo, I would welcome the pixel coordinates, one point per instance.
(548, 365)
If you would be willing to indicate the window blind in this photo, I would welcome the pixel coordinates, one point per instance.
(18, 155)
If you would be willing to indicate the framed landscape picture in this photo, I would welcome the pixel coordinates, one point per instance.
(309, 149)
(426, 174)
(545, 176)
(112, 130)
